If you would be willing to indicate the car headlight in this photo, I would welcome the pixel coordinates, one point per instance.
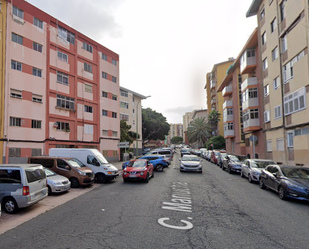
(293, 185)
(81, 172)
(58, 183)
(124, 172)
(256, 173)
(142, 173)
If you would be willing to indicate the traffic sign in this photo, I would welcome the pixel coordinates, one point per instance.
(123, 144)
(253, 138)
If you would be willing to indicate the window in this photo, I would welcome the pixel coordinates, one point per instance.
(65, 102)
(104, 113)
(37, 23)
(114, 97)
(87, 47)
(16, 94)
(15, 121)
(282, 10)
(124, 117)
(62, 78)
(63, 126)
(290, 139)
(104, 57)
(273, 25)
(115, 133)
(265, 65)
(280, 144)
(266, 116)
(88, 108)
(229, 111)
(17, 38)
(88, 88)
(66, 35)
(37, 47)
(276, 83)
(124, 105)
(114, 62)
(62, 56)
(262, 14)
(14, 152)
(36, 152)
(37, 124)
(114, 115)
(37, 98)
(275, 53)
(266, 90)
(104, 75)
(114, 79)
(302, 131)
(278, 112)
(284, 43)
(264, 38)
(123, 93)
(229, 126)
(88, 129)
(288, 70)
(252, 93)
(269, 145)
(105, 133)
(16, 65)
(250, 114)
(295, 101)
(87, 67)
(104, 94)
(18, 12)
(37, 72)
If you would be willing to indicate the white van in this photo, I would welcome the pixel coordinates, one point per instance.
(21, 185)
(92, 158)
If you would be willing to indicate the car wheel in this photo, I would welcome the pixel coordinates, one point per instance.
(223, 167)
(101, 178)
(159, 167)
(229, 170)
(10, 206)
(74, 182)
(147, 178)
(261, 184)
(49, 190)
(242, 174)
(125, 180)
(282, 193)
(152, 176)
(250, 178)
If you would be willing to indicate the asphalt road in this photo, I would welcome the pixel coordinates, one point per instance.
(174, 210)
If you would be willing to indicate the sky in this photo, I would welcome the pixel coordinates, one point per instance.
(165, 47)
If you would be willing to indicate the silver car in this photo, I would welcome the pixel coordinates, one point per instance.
(190, 163)
(56, 183)
(251, 168)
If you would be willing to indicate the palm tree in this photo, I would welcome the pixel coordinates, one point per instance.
(199, 131)
(213, 120)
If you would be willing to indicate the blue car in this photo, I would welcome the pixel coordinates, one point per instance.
(158, 162)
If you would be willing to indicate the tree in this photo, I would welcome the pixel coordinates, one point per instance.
(125, 133)
(199, 131)
(218, 142)
(213, 120)
(177, 140)
(154, 125)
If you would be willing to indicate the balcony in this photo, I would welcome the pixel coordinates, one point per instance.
(251, 102)
(227, 118)
(251, 81)
(247, 61)
(251, 125)
(227, 91)
(213, 101)
(229, 130)
(228, 103)
(212, 84)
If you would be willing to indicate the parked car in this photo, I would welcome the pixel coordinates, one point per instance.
(287, 181)
(165, 152)
(71, 168)
(158, 162)
(145, 151)
(21, 185)
(56, 183)
(190, 163)
(203, 151)
(208, 155)
(214, 156)
(138, 169)
(232, 164)
(220, 159)
(251, 168)
(184, 152)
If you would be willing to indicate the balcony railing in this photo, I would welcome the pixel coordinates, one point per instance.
(213, 101)
(251, 81)
(247, 61)
(212, 83)
(251, 124)
(227, 91)
(227, 118)
(227, 103)
(252, 102)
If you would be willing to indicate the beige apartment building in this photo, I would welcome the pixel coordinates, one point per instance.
(186, 120)
(283, 56)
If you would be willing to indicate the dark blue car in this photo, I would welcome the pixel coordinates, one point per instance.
(158, 162)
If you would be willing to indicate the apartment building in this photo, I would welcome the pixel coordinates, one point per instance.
(186, 119)
(202, 113)
(283, 42)
(176, 130)
(215, 99)
(243, 103)
(131, 111)
(61, 88)
(3, 4)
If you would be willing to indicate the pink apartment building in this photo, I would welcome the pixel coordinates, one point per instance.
(61, 88)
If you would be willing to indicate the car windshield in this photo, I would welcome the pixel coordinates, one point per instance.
(296, 173)
(190, 158)
(100, 157)
(75, 163)
(234, 158)
(223, 155)
(137, 164)
(48, 172)
(261, 164)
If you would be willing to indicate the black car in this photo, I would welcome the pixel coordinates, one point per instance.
(232, 164)
(287, 181)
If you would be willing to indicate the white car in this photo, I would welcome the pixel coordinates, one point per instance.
(56, 183)
(251, 168)
(190, 163)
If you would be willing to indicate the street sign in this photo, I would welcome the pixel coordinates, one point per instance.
(123, 145)
(253, 138)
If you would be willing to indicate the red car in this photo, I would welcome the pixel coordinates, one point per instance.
(138, 169)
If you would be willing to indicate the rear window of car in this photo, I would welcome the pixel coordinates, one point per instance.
(35, 174)
(10, 176)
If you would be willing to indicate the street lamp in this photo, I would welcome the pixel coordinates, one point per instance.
(136, 149)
